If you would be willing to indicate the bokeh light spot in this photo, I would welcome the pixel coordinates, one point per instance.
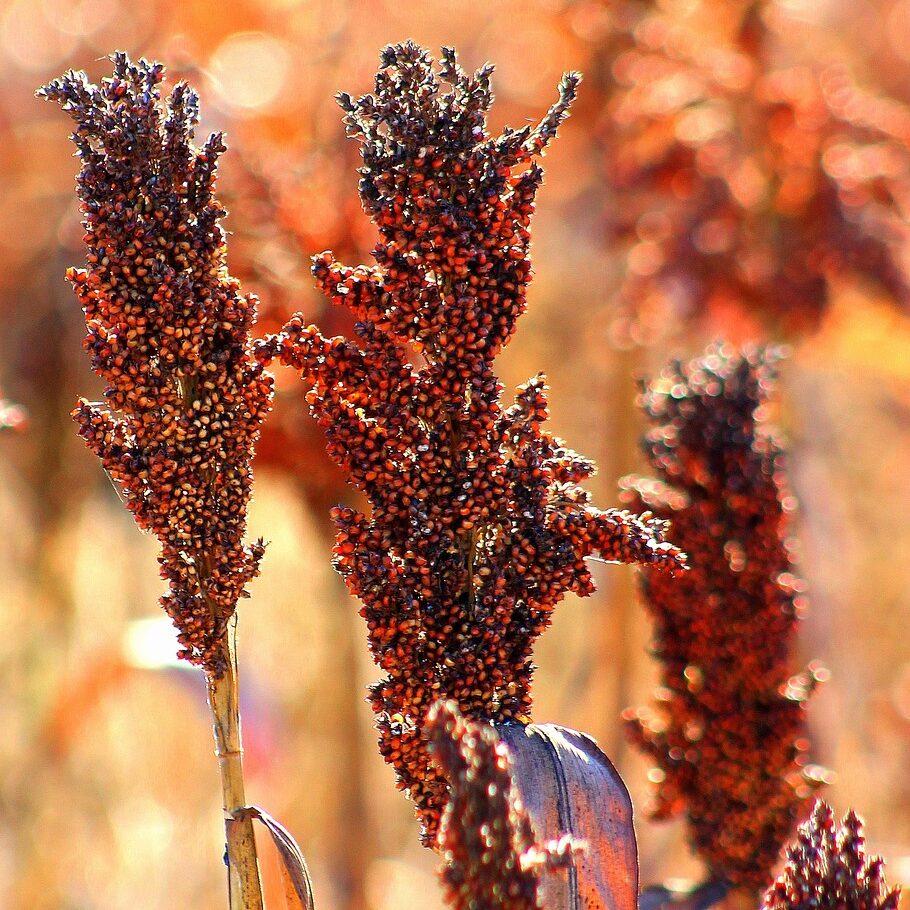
(250, 70)
(29, 36)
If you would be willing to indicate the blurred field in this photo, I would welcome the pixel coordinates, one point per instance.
(108, 789)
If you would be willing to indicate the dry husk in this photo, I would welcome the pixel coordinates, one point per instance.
(568, 785)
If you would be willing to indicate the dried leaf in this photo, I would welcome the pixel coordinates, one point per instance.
(568, 786)
(294, 871)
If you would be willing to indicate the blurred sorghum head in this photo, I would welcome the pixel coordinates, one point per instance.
(743, 178)
(477, 526)
(169, 332)
(728, 728)
(827, 869)
(486, 838)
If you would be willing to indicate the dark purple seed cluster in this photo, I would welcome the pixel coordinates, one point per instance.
(169, 332)
(828, 869)
(477, 526)
(485, 837)
(728, 727)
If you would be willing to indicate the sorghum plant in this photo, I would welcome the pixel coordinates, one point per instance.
(728, 728)
(485, 836)
(169, 332)
(828, 869)
(477, 526)
(743, 182)
(283, 207)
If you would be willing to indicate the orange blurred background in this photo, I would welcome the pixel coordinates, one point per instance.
(108, 789)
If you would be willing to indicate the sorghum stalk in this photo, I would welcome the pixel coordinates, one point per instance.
(244, 887)
(169, 332)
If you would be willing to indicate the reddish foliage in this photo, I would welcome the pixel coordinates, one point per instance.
(275, 224)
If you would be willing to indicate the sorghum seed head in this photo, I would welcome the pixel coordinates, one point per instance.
(168, 330)
(477, 527)
(486, 838)
(728, 728)
(827, 869)
(742, 183)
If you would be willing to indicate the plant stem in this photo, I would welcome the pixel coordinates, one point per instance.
(244, 886)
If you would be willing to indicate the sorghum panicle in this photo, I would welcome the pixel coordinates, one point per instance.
(828, 869)
(485, 836)
(728, 729)
(477, 526)
(744, 182)
(169, 331)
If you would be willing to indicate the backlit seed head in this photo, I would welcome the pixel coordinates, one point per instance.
(168, 330)
(476, 528)
(828, 869)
